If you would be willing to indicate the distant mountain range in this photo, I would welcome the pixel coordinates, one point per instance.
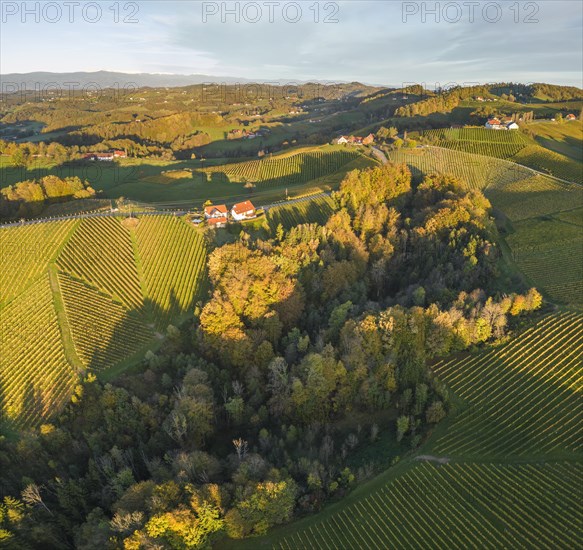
(108, 79)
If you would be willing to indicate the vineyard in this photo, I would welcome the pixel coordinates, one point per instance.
(549, 252)
(173, 258)
(510, 145)
(36, 377)
(457, 506)
(310, 210)
(483, 135)
(509, 473)
(480, 141)
(103, 331)
(25, 253)
(112, 284)
(533, 196)
(476, 171)
(287, 170)
(523, 399)
(100, 253)
(550, 162)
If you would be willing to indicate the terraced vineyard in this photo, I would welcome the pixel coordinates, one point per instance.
(523, 398)
(86, 295)
(173, 258)
(477, 171)
(510, 468)
(35, 377)
(286, 170)
(310, 210)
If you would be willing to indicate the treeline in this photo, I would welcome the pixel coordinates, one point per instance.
(442, 102)
(313, 347)
(29, 198)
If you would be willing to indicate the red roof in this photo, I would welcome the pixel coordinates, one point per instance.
(215, 209)
(493, 121)
(243, 207)
(214, 221)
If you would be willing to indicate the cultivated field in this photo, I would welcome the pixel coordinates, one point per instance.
(514, 145)
(522, 398)
(310, 210)
(549, 251)
(87, 295)
(533, 196)
(461, 505)
(286, 170)
(477, 171)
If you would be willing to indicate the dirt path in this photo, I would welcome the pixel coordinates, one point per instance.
(431, 458)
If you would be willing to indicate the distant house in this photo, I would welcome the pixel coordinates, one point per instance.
(109, 156)
(342, 140)
(494, 124)
(99, 156)
(368, 139)
(216, 215)
(243, 211)
(570, 116)
(512, 126)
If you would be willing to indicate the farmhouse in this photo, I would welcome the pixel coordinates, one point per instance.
(493, 124)
(109, 156)
(571, 116)
(368, 139)
(243, 211)
(216, 215)
(355, 140)
(505, 124)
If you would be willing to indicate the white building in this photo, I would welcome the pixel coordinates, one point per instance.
(243, 211)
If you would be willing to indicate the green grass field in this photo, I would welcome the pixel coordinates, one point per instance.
(87, 295)
(565, 138)
(192, 182)
(510, 467)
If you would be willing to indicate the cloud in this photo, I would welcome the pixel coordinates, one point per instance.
(370, 42)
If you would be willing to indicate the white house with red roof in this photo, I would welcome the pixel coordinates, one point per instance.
(243, 211)
(216, 215)
(494, 124)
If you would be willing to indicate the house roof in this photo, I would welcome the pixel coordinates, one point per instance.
(242, 207)
(213, 221)
(493, 121)
(215, 208)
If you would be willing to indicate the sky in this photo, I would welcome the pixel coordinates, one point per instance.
(385, 42)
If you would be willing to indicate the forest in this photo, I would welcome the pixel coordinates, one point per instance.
(245, 417)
